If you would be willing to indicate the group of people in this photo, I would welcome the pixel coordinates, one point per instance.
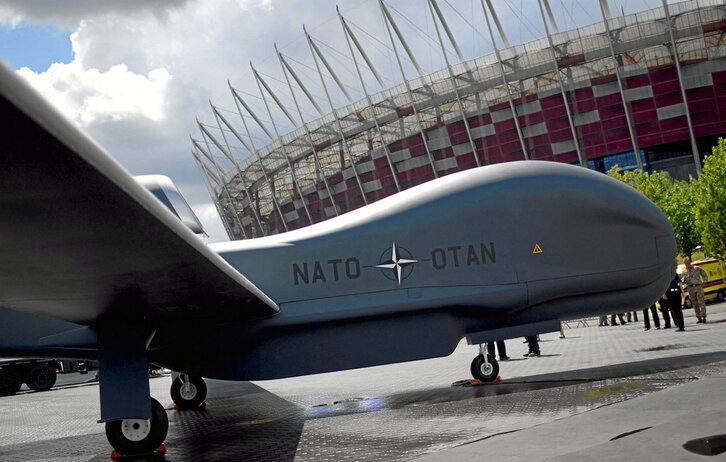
(691, 281)
(531, 340)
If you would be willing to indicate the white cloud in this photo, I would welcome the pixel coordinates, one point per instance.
(143, 71)
(89, 96)
(70, 13)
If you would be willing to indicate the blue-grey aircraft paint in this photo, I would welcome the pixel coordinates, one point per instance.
(490, 248)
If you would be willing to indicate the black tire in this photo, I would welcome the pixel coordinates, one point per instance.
(132, 437)
(40, 377)
(10, 381)
(721, 296)
(482, 372)
(188, 395)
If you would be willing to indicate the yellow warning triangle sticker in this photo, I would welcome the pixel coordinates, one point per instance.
(537, 249)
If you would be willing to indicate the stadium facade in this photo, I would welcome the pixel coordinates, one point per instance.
(608, 93)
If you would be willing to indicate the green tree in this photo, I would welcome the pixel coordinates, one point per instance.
(672, 197)
(710, 202)
(655, 186)
(679, 208)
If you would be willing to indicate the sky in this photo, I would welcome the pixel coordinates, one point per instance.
(137, 74)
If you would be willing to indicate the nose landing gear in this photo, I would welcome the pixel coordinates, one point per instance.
(484, 367)
(188, 391)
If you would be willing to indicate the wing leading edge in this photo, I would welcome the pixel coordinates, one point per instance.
(80, 240)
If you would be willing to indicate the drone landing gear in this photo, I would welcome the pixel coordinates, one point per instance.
(135, 423)
(484, 367)
(188, 391)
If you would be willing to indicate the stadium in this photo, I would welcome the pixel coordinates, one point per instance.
(608, 93)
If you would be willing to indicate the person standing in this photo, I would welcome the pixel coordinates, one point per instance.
(693, 279)
(621, 316)
(673, 298)
(501, 347)
(664, 311)
(646, 319)
(533, 346)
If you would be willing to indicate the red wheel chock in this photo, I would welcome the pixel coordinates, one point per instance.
(161, 451)
(474, 382)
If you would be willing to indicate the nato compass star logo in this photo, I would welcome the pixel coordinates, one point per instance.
(400, 263)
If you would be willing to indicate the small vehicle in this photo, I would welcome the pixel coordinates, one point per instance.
(715, 288)
(38, 374)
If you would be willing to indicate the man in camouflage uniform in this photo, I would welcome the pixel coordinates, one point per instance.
(692, 280)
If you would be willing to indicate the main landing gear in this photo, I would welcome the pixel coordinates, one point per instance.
(484, 367)
(138, 436)
(188, 391)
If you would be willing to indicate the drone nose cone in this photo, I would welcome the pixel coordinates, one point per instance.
(595, 234)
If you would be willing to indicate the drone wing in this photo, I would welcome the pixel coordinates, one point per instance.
(80, 240)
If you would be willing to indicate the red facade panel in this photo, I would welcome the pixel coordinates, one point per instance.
(507, 136)
(637, 81)
(675, 135)
(663, 73)
(557, 123)
(614, 123)
(614, 147)
(719, 78)
(504, 125)
(708, 130)
(585, 105)
(416, 146)
(582, 93)
(613, 99)
(666, 87)
(561, 135)
(367, 176)
(567, 157)
(592, 139)
(648, 128)
(646, 141)
(714, 26)
(490, 152)
(550, 101)
(455, 127)
(611, 112)
(466, 160)
(642, 105)
(700, 93)
(540, 152)
(674, 123)
(483, 119)
(498, 106)
(381, 162)
(459, 137)
(667, 99)
(539, 140)
(588, 129)
(512, 150)
(644, 117)
(531, 119)
(621, 133)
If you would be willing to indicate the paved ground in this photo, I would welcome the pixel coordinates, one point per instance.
(594, 385)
